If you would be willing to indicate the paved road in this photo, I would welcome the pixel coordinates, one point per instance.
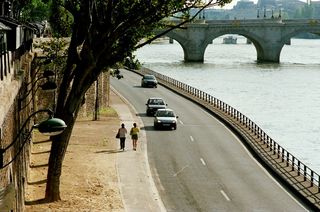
(202, 166)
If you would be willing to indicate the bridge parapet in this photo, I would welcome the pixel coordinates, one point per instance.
(252, 21)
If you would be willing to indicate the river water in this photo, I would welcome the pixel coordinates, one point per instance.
(283, 99)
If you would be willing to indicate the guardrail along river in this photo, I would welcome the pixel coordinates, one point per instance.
(283, 99)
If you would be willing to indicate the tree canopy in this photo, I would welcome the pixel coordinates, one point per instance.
(31, 10)
(103, 33)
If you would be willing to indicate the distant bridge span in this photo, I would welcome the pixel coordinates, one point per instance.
(267, 35)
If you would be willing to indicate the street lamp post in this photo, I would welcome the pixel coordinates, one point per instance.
(52, 126)
(280, 11)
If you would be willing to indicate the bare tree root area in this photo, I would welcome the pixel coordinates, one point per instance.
(89, 180)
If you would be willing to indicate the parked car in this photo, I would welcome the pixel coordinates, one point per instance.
(149, 80)
(165, 118)
(153, 104)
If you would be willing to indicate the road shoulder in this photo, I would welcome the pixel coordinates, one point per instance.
(136, 183)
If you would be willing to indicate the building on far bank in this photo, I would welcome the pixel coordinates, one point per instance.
(247, 9)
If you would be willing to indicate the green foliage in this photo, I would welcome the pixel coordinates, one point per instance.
(103, 33)
(33, 10)
(108, 111)
(55, 51)
(132, 63)
(60, 19)
(305, 12)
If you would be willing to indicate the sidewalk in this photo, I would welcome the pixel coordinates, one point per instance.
(96, 175)
(136, 184)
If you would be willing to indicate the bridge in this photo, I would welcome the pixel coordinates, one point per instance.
(267, 35)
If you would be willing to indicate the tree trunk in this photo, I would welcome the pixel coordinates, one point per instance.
(58, 149)
(68, 112)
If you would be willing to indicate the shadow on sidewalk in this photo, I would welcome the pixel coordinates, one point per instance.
(110, 151)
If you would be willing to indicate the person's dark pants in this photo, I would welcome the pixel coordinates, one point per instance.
(122, 142)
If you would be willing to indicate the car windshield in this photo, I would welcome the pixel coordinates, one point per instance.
(156, 102)
(149, 77)
(165, 113)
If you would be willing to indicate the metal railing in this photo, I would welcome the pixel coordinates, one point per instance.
(291, 170)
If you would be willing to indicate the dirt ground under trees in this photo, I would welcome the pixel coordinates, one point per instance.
(89, 180)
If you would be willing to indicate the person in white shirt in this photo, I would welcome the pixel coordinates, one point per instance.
(122, 134)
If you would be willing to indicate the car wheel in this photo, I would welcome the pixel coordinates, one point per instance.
(175, 127)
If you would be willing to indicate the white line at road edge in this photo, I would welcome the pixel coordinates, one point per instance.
(225, 195)
(254, 159)
(191, 138)
(202, 161)
(181, 122)
(154, 190)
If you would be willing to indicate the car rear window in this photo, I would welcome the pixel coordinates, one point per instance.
(148, 77)
(165, 114)
(156, 102)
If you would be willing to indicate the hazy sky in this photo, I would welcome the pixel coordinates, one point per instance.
(234, 2)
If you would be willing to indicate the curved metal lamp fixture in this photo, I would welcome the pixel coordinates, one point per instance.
(48, 86)
(51, 126)
(48, 73)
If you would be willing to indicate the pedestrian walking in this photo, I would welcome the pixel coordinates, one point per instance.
(134, 135)
(122, 136)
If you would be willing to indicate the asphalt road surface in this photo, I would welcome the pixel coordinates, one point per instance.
(202, 166)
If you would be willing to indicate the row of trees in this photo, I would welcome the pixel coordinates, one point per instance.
(31, 10)
(308, 11)
(103, 33)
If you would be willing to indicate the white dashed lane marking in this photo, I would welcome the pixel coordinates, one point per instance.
(181, 170)
(225, 195)
(202, 161)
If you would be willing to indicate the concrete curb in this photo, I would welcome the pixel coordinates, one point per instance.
(137, 187)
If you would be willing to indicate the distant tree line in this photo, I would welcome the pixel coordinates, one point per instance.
(308, 11)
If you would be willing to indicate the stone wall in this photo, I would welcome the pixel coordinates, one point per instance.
(95, 100)
(12, 115)
(17, 104)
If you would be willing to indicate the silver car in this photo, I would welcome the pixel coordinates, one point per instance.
(153, 104)
(165, 118)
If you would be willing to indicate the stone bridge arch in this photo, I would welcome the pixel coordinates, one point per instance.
(254, 38)
(194, 52)
(181, 40)
(299, 31)
(267, 36)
